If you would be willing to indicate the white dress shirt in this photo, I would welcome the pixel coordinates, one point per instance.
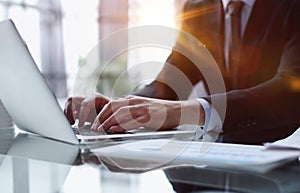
(213, 123)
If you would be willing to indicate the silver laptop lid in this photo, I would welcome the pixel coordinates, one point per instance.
(24, 92)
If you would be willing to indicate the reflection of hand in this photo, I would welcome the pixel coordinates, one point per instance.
(133, 112)
(84, 109)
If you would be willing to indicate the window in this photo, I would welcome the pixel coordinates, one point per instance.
(80, 34)
(39, 23)
(131, 68)
(145, 62)
(60, 34)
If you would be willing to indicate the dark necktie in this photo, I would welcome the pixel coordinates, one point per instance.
(234, 10)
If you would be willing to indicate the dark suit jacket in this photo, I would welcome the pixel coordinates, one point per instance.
(263, 90)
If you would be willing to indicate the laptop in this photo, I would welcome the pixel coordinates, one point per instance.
(31, 104)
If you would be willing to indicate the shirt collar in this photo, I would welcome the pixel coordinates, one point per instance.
(249, 3)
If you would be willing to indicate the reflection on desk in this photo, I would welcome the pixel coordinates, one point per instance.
(284, 179)
(31, 164)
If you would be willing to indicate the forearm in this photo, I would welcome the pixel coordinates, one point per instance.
(175, 81)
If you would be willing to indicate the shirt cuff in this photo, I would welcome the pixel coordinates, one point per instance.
(212, 126)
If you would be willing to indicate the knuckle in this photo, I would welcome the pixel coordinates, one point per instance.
(121, 110)
(108, 106)
(85, 104)
(70, 99)
(135, 100)
(131, 101)
(115, 105)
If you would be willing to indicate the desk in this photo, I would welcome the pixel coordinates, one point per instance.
(49, 166)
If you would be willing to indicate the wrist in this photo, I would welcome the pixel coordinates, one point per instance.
(192, 113)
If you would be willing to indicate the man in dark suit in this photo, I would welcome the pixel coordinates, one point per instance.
(261, 74)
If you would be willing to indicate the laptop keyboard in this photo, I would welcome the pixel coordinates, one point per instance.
(86, 131)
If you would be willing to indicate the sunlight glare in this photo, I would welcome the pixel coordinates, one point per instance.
(156, 12)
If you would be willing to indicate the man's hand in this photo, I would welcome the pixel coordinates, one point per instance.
(84, 109)
(133, 112)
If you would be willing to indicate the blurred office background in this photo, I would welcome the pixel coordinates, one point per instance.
(61, 33)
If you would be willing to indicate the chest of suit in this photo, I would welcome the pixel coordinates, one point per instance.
(261, 47)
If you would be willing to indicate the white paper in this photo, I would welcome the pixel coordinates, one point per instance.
(293, 142)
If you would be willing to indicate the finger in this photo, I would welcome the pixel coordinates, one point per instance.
(110, 108)
(125, 114)
(96, 124)
(117, 129)
(128, 125)
(115, 105)
(125, 126)
(100, 102)
(120, 116)
(72, 106)
(84, 112)
(68, 113)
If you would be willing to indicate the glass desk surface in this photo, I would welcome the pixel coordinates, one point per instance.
(32, 164)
